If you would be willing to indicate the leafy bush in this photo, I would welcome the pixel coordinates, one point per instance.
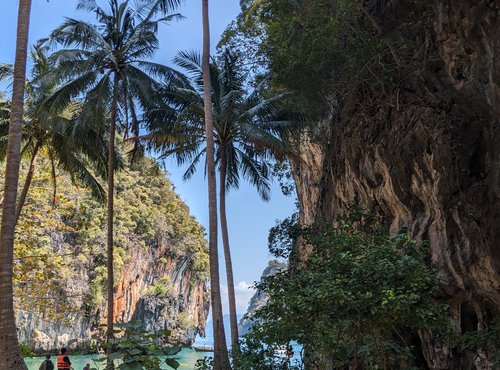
(135, 348)
(352, 300)
(162, 288)
(26, 350)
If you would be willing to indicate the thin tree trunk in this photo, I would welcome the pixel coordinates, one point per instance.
(111, 188)
(10, 353)
(27, 181)
(227, 250)
(221, 360)
(54, 178)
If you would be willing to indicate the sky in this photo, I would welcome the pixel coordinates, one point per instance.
(249, 218)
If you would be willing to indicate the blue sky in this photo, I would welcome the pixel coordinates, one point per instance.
(249, 218)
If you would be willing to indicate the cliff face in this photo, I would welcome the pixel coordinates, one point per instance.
(259, 299)
(429, 162)
(161, 263)
(184, 309)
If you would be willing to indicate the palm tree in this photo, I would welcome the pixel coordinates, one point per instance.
(64, 136)
(10, 354)
(246, 134)
(221, 360)
(108, 63)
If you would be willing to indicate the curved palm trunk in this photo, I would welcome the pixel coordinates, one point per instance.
(111, 188)
(10, 354)
(27, 181)
(227, 250)
(221, 360)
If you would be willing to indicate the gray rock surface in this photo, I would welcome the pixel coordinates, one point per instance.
(259, 299)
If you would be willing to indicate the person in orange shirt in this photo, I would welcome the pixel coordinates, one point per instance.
(63, 361)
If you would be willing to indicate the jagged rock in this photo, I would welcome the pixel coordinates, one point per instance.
(161, 277)
(40, 340)
(259, 299)
(430, 163)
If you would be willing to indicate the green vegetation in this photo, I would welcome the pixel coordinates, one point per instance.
(26, 350)
(326, 50)
(135, 348)
(354, 295)
(52, 242)
(163, 288)
(352, 302)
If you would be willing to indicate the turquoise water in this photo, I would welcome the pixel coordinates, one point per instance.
(187, 359)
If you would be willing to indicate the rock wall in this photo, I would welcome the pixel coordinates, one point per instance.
(185, 297)
(429, 162)
(259, 299)
(161, 262)
(134, 300)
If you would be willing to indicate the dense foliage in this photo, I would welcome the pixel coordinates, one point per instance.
(53, 244)
(353, 300)
(136, 349)
(324, 50)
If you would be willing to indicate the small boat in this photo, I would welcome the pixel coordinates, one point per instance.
(203, 348)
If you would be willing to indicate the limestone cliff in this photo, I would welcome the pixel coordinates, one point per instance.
(161, 261)
(259, 299)
(428, 160)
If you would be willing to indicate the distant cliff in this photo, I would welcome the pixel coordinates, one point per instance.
(259, 299)
(161, 260)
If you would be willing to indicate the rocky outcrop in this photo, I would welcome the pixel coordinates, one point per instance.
(161, 264)
(429, 162)
(182, 297)
(135, 300)
(260, 298)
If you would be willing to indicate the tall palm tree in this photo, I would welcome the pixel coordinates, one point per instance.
(65, 137)
(108, 62)
(10, 354)
(221, 360)
(246, 131)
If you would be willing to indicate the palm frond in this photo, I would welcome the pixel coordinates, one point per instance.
(192, 166)
(6, 71)
(257, 173)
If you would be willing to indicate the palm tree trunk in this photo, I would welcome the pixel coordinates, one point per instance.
(10, 353)
(221, 360)
(111, 188)
(227, 250)
(54, 178)
(27, 181)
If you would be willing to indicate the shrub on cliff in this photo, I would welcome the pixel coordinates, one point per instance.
(58, 246)
(353, 298)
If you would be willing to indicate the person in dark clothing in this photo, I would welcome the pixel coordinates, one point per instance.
(63, 361)
(47, 364)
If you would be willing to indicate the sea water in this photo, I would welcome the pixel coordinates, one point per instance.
(187, 359)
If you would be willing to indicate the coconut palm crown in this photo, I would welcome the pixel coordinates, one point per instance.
(248, 128)
(108, 65)
(247, 135)
(64, 137)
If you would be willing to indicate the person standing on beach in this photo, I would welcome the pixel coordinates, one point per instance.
(47, 364)
(63, 362)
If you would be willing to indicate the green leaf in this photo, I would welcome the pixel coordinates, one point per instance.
(130, 366)
(172, 363)
(134, 351)
(115, 356)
